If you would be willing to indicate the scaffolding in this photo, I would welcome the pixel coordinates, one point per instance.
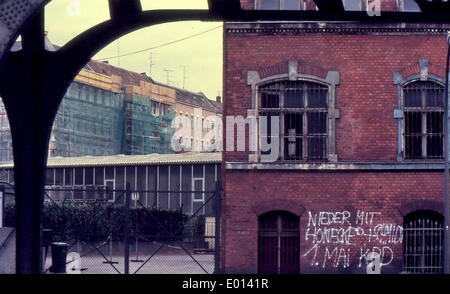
(147, 125)
(103, 113)
(90, 121)
(96, 121)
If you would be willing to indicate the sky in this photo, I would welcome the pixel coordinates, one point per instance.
(195, 63)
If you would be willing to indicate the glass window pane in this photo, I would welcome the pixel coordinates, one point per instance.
(293, 148)
(68, 176)
(413, 147)
(269, 4)
(270, 99)
(413, 135)
(131, 177)
(317, 97)
(109, 173)
(79, 176)
(435, 122)
(198, 171)
(292, 4)
(293, 98)
(352, 5)
(317, 123)
(413, 123)
(413, 97)
(99, 174)
(317, 148)
(435, 96)
(435, 144)
(293, 124)
(435, 135)
(120, 178)
(163, 197)
(89, 176)
(198, 187)
(110, 194)
(410, 6)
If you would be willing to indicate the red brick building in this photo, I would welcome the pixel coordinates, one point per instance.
(359, 169)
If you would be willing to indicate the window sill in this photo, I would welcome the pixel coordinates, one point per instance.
(342, 166)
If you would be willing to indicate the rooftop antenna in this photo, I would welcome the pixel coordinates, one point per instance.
(168, 71)
(184, 75)
(151, 63)
(118, 52)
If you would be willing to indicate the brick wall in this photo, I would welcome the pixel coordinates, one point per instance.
(365, 132)
(388, 195)
(386, 5)
(366, 95)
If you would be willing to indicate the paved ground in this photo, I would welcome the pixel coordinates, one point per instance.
(170, 260)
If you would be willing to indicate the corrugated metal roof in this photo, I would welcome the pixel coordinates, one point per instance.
(123, 160)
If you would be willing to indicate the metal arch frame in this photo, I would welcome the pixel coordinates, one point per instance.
(34, 82)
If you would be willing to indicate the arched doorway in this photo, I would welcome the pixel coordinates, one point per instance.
(423, 244)
(278, 243)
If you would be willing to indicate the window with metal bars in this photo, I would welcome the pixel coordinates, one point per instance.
(423, 242)
(302, 109)
(423, 104)
(278, 243)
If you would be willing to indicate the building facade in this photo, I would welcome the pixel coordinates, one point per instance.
(185, 182)
(348, 177)
(204, 116)
(108, 110)
(90, 119)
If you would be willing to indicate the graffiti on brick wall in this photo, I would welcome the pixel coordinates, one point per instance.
(336, 238)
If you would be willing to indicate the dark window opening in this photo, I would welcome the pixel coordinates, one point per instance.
(423, 242)
(278, 243)
(302, 110)
(423, 120)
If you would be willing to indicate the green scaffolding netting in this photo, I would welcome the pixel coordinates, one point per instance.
(93, 121)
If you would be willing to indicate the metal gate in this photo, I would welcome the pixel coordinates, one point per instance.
(423, 243)
(278, 243)
(129, 236)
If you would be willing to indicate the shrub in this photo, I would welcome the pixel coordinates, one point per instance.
(96, 221)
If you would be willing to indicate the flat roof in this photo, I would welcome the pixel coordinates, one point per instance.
(126, 160)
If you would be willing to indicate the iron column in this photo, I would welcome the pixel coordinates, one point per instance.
(446, 172)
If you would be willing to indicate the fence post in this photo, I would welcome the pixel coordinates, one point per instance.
(2, 204)
(218, 211)
(126, 228)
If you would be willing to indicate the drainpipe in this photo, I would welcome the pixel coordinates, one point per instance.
(446, 172)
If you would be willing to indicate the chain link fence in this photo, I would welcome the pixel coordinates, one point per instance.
(117, 232)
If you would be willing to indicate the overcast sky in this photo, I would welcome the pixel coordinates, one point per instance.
(201, 56)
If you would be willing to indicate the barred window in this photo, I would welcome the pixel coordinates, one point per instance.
(302, 108)
(423, 104)
(423, 242)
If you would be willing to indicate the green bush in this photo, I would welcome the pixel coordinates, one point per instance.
(96, 221)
